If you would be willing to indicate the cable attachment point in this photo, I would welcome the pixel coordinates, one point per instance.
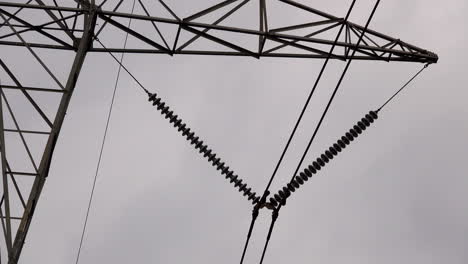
(275, 214)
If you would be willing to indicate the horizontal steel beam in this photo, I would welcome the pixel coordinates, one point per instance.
(26, 131)
(34, 45)
(23, 173)
(37, 89)
(412, 53)
(42, 7)
(428, 56)
(310, 46)
(238, 54)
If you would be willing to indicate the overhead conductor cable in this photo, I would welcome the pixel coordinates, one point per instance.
(266, 191)
(283, 201)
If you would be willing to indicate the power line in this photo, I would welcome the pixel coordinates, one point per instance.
(102, 144)
(310, 95)
(336, 89)
(266, 191)
(276, 211)
(274, 217)
(281, 196)
(252, 224)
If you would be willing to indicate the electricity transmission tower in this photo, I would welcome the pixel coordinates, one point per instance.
(80, 28)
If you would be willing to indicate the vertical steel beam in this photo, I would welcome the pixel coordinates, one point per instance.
(83, 47)
(6, 196)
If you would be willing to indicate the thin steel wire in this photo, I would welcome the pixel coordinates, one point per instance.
(123, 66)
(403, 87)
(102, 145)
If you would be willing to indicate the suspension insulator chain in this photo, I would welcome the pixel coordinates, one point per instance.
(203, 148)
(327, 156)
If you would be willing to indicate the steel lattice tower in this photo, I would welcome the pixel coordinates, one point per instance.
(76, 28)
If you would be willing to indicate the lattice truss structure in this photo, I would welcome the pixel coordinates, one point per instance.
(32, 115)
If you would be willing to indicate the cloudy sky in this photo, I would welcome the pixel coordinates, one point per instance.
(396, 195)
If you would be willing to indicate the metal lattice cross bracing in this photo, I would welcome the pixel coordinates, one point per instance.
(76, 27)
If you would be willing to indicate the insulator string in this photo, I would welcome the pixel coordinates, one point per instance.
(280, 197)
(202, 147)
(190, 136)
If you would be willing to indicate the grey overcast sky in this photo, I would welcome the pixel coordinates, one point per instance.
(396, 195)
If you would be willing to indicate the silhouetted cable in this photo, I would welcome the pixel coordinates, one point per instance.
(255, 211)
(266, 191)
(300, 180)
(252, 223)
(336, 89)
(103, 143)
(274, 217)
(404, 86)
(310, 96)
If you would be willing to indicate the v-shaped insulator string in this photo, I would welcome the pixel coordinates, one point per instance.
(202, 148)
(281, 196)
